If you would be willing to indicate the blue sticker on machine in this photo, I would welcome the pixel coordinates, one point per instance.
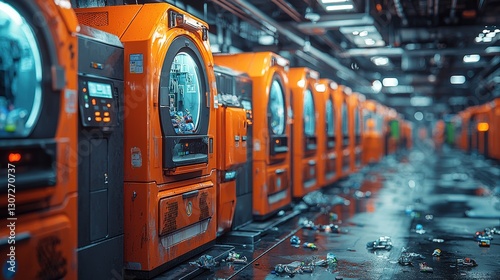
(136, 63)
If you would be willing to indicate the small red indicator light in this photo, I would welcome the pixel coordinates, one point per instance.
(14, 157)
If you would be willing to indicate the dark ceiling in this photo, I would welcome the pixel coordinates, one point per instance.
(422, 43)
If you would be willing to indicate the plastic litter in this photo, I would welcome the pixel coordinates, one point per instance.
(205, 261)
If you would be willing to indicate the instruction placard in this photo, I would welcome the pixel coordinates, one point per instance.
(136, 63)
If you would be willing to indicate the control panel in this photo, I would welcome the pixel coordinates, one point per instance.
(98, 108)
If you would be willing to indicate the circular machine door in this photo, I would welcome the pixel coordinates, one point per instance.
(276, 108)
(184, 107)
(309, 114)
(20, 73)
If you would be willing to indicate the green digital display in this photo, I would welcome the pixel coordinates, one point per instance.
(100, 90)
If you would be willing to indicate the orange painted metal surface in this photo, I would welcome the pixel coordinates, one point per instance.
(347, 132)
(327, 165)
(354, 105)
(271, 151)
(305, 133)
(164, 223)
(372, 138)
(232, 124)
(495, 129)
(152, 33)
(47, 232)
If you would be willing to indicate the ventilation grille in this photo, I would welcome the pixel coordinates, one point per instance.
(93, 19)
(170, 218)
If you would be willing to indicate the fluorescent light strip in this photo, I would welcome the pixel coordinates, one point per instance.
(333, 1)
(457, 79)
(339, 7)
(471, 58)
(390, 82)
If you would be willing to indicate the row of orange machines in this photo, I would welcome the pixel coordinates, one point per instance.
(475, 129)
(128, 146)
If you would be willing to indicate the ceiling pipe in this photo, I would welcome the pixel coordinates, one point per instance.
(328, 59)
(335, 22)
(285, 7)
(230, 7)
(425, 52)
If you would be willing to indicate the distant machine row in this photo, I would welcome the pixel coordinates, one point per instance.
(474, 130)
(129, 146)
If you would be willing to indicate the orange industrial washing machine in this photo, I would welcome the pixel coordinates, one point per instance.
(355, 102)
(328, 131)
(495, 129)
(271, 128)
(170, 129)
(346, 132)
(306, 103)
(484, 120)
(38, 139)
(234, 117)
(372, 137)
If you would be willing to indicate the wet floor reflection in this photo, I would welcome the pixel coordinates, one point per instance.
(424, 201)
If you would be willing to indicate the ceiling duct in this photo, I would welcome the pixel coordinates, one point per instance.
(335, 22)
(319, 54)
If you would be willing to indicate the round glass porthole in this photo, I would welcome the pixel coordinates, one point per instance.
(309, 115)
(20, 75)
(276, 108)
(184, 94)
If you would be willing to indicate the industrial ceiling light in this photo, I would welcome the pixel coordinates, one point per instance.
(418, 116)
(420, 101)
(266, 40)
(333, 1)
(457, 79)
(390, 82)
(363, 36)
(339, 7)
(471, 58)
(376, 86)
(380, 60)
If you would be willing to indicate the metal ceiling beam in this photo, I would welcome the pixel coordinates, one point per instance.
(396, 52)
(328, 59)
(335, 22)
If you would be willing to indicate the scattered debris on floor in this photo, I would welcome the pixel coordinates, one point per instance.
(467, 262)
(404, 259)
(329, 228)
(295, 241)
(383, 242)
(425, 268)
(436, 253)
(437, 240)
(310, 245)
(419, 229)
(205, 261)
(236, 258)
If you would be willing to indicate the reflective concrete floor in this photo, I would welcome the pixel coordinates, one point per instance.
(446, 194)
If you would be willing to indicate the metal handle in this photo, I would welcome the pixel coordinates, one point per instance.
(312, 163)
(190, 194)
(279, 171)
